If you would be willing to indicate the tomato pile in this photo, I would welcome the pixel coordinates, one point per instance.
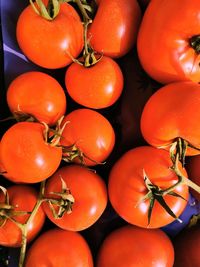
(100, 154)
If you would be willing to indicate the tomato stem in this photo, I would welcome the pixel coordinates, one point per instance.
(24, 227)
(49, 12)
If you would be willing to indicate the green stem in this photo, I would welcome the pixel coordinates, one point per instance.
(24, 227)
(24, 230)
(82, 10)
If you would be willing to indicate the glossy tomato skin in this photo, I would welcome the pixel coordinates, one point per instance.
(50, 44)
(133, 246)
(89, 192)
(172, 112)
(98, 86)
(186, 247)
(115, 27)
(126, 187)
(25, 155)
(39, 95)
(91, 132)
(22, 198)
(58, 247)
(169, 57)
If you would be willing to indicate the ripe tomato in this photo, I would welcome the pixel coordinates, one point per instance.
(193, 170)
(171, 54)
(61, 248)
(26, 156)
(114, 29)
(50, 44)
(89, 192)
(126, 187)
(186, 247)
(133, 246)
(91, 133)
(173, 112)
(87, 87)
(37, 94)
(22, 198)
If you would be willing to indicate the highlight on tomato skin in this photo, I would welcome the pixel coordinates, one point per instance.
(88, 191)
(25, 155)
(173, 113)
(114, 33)
(133, 180)
(134, 246)
(22, 198)
(57, 247)
(50, 43)
(37, 94)
(90, 135)
(98, 86)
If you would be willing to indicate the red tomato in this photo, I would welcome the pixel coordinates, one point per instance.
(37, 94)
(127, 187)
(50, 44)
(22, 198)
(133, 246)
(61, 248)
(186, 247)
(193, 170)
(114, 29)
(168, 40)
(91, 133)
(89, 192)
(25, 155)
(173, 112)
(98, 86)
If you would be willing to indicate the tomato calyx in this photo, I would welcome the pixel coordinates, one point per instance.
(90, 57)
(179, 147)
(48, 12)
(72, 152)
(64, 202)
(53, 136)
(194, 42)
(155, 193)
(7, 211)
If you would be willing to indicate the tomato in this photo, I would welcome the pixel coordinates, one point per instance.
(26, 156)
(127, 188)
(37, 94)
(168, 41)
(173, 112)
(22, 198)
(50, 43)
(91, 133)
(114, 29)
(193, 170)
(61, 248)
(186, 247)
(89, 192)
(133, 246)
(86, 86)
